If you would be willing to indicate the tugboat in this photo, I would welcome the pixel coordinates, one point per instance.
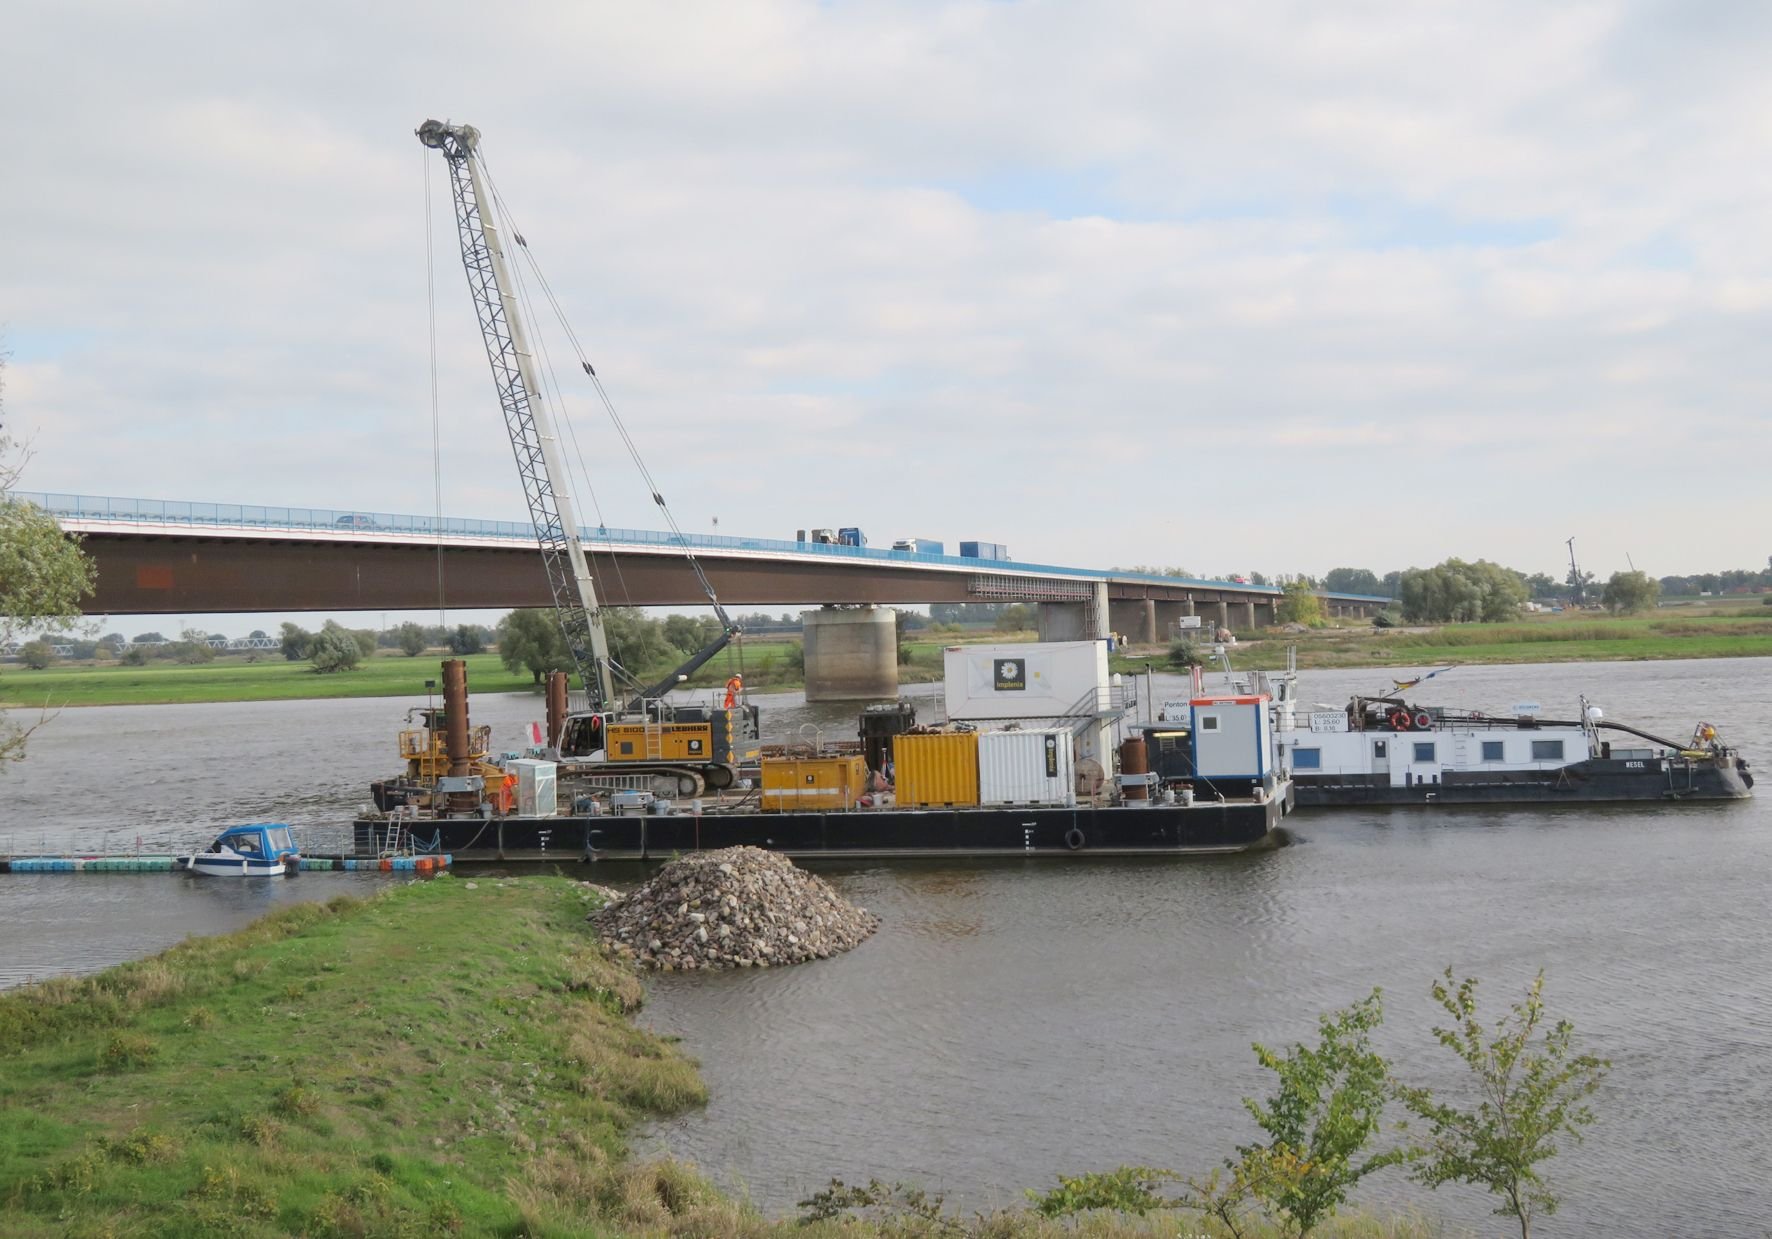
(1389, 750)
(261, 850)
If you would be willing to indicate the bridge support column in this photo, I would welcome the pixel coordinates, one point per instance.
(1167, 615)
(1249, 616)
(1062, 621)
(1076, 621)
(851, 655)
(1135, 619)
(1224, 614)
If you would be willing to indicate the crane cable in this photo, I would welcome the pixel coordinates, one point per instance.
(436, 417)
(550, 379)
(602, 394)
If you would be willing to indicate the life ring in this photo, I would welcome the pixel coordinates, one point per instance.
(1423, 721)
(1073, 838)
(1400, 720)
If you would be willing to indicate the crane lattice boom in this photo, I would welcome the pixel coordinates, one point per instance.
(532, 434)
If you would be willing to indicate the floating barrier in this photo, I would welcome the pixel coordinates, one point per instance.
(168, 864)
(86, 864)
(386, 864)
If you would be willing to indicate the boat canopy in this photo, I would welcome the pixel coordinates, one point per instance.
(270, 840)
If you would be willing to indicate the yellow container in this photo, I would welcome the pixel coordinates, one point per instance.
(940, 769)
(813, 782)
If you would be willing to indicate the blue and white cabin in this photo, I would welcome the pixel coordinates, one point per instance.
(264, 849)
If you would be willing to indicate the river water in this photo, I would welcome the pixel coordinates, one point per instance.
(1016, 1019)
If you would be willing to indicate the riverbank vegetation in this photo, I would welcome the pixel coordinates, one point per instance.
(450, 1057)
(1711, 628)
(456, 1057)
(43, 573)
(1695, 631)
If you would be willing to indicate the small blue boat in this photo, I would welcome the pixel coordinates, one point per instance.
(263, 849)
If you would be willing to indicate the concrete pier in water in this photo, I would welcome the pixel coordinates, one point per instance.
(851, 653)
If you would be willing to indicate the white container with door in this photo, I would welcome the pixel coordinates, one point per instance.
(536, 796)
(1033, 767)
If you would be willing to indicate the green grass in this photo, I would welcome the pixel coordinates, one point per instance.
(432, 1060)
(1541, 639)
(435, 1060)
(766, 663)
(233, 679)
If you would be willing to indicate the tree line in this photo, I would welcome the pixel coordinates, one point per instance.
(1458, 591)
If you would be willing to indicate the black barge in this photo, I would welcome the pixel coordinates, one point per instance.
(1149, 829)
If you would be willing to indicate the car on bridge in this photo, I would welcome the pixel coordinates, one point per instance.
(355, 520)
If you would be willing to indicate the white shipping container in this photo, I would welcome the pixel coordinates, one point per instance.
(1026, 767)
(536, 795)
(1039, 679)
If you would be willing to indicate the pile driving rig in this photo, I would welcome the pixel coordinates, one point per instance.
(684, 749)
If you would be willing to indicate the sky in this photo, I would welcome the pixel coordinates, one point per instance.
(1273, 286)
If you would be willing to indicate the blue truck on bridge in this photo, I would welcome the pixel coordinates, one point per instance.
(983, 550)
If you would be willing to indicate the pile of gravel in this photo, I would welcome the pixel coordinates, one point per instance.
(735, 908)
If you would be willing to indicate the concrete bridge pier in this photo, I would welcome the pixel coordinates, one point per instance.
(1135, 619)
(1249, 617)
(1224, 614)
(1167, 613)
(1076, 621)
(851, 654)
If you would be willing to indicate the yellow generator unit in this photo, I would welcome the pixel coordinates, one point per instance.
(935, 770)
(813, 782)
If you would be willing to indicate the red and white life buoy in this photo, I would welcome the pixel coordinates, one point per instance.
(1423, 721)
(1400, 720)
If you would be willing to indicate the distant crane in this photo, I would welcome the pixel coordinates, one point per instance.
(1574, 574)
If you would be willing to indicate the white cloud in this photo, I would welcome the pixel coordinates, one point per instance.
(1145, 284)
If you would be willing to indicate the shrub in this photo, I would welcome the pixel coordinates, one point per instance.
(334, 648)
(1185, 653)
(126, 1051)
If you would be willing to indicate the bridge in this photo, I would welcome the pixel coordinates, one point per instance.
(168, 557)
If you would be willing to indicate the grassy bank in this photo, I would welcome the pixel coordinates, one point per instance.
(441, 1059)
(235, 679)
(435, 1059)
(776, 664)
(1576, 638)
(766, 664)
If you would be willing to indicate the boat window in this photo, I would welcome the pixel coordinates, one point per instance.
(1424, 751)
(1307, 759)
(1380, 748)
(1492, 750)
(1209, 722)
(279, 839)
(1547, 750)
(246, 845)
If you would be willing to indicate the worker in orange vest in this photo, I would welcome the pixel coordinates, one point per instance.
(734, 687)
